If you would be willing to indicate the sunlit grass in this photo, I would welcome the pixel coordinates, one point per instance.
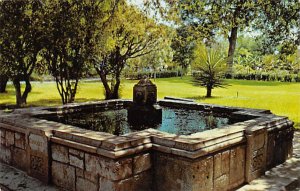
(281, 98)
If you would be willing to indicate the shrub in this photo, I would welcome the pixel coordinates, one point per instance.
(210, 66)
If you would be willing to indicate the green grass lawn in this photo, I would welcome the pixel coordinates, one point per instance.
(281, 98)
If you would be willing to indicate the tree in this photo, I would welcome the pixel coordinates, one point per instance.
(183, 46)
(132, 35)
(20, 38)
(277, 20)
(279, 23)
(210, 67)
(227, 17)
(160, 57)
(72, 30)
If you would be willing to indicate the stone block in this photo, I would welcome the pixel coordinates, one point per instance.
(221, 183)
(176, 173)
(225, 162)
(39, 167)
(20, 140)
(116, 143)
(202, 175)
(259, 141)
(141, 163)
(116, 169)
(63, 175)
(218, 165)
(270, 151)
(88, 140)
(10, 138)
(142, 181)
(84, 185)
(237, 166)
(2, 133)
(60, 153)
(121, 185)
(91, 176)
(221, 170)
(5, 155)
(257, 152)
(38, 143)
(140, 141)
(108, 168)
(2, 137)
(161, 148)
(79, 172)
(76, 161)
(168, 174)
(19, 158)
(74, 152)
(2, 141)
(165, 140)
(91, 163)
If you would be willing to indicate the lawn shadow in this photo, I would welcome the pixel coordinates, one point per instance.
(201, 97)
(8, 106)
(53, 102)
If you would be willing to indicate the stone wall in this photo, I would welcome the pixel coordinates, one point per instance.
(13, 147)
(77, 159)
(280, 144)
(220, 171)
(74, 169)
(25, 148)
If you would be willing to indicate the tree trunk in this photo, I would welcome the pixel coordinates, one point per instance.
(21, 99)
(105, 84)
(208, 91)
(27, 90)
(3, 83)
(17, 86)
(73, 92)
(115, 93)
(232, 44)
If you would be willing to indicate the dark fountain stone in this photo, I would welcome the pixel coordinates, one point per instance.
(145, 110)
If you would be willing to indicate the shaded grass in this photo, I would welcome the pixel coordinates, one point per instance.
(281, 98)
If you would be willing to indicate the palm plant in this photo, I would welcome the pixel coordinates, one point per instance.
(210, 67)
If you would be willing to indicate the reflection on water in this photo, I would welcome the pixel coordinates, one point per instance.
(185, 122)
(176, 121)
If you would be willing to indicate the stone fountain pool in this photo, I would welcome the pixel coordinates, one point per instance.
(93, 146)
(177, 121)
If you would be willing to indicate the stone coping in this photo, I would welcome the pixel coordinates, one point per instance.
(112, 146)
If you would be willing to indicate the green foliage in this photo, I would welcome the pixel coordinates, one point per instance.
(183, 46)
(209, 65)
(279, 24)
(133, 35)
(209, 18)
(73, 29)
(160, 57)
(20, 38)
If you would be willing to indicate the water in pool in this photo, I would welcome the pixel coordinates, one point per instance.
(176, 121)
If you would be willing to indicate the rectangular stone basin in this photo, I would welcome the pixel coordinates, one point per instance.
(75, 158)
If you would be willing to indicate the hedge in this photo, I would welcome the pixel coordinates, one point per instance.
(283, 77)
(163, 74)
